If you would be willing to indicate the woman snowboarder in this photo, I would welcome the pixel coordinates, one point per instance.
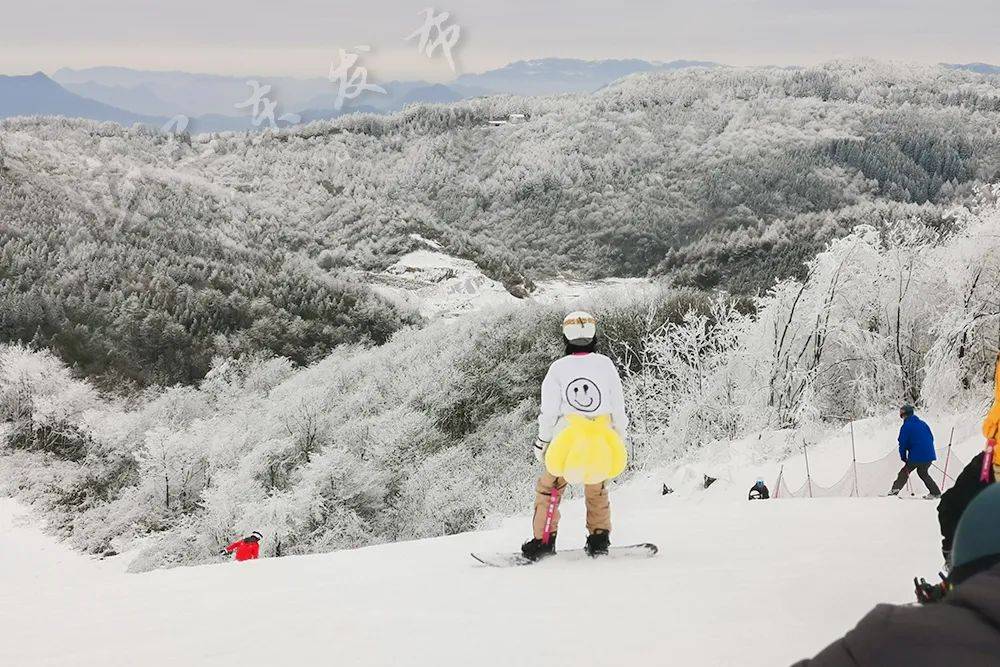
(581, 430)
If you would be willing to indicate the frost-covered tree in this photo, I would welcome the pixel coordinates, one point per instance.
(427, 434)
(138, 257)
(884, 316)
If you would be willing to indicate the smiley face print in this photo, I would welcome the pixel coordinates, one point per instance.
(583, 395)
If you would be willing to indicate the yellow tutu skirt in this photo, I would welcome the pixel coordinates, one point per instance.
(587, 451)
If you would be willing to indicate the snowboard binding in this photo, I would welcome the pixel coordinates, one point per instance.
(598, 543)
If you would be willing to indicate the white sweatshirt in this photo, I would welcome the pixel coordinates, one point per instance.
(583, 384)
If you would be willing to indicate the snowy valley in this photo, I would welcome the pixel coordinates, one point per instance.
(335, 335)
(438, 285)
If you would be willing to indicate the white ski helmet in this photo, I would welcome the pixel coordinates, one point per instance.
(579, 327)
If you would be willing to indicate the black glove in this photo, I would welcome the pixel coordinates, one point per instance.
(928, 593)
(223, 553)
(539, 450)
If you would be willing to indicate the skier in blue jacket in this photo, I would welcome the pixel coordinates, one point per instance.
(916, 450)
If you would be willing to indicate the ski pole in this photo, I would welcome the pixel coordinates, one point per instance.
(944, 474)
(854, 464)
(550, 514)
(805, 452)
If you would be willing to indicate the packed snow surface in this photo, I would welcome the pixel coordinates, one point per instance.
(736, 582)
(439, 285)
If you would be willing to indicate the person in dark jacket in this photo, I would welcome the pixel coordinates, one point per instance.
(971, 482)
(916, 450)
(962, 629)
(759, 491)
(967, 486)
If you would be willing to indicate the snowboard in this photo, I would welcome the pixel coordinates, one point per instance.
(644, 550)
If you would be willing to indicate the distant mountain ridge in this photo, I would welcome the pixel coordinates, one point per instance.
(433, 94)
(196, 94)
(139, 99)
(979, 68)
(647, 178)
(547, 76)
(38, 95)
(167, 93)
(209, 101)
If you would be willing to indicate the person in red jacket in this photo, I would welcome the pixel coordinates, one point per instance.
(246, 549)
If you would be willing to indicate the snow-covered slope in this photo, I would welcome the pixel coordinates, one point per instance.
(439, 285)
(736, 582)
(830, 453)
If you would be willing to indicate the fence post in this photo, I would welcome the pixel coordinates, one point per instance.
(947, 457)
(777, 485)
(805, 452)
(854, 463)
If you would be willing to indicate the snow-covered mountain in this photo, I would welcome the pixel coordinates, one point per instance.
(212, 97)
(209, 100)
(571, 192)
(547, 76)
(225, 268)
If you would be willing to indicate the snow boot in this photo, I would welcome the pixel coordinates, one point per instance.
(598, 543)
(535, 549)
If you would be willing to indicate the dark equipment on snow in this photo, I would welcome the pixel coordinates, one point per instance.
(536, 549)
(644, 550)
(709, 481)
(666, 490)
(759, 491)
(928, 593)
(598, 543)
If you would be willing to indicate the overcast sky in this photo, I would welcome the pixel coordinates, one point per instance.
(300, 37)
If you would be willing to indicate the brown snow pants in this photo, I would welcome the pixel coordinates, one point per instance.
(595, 496)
